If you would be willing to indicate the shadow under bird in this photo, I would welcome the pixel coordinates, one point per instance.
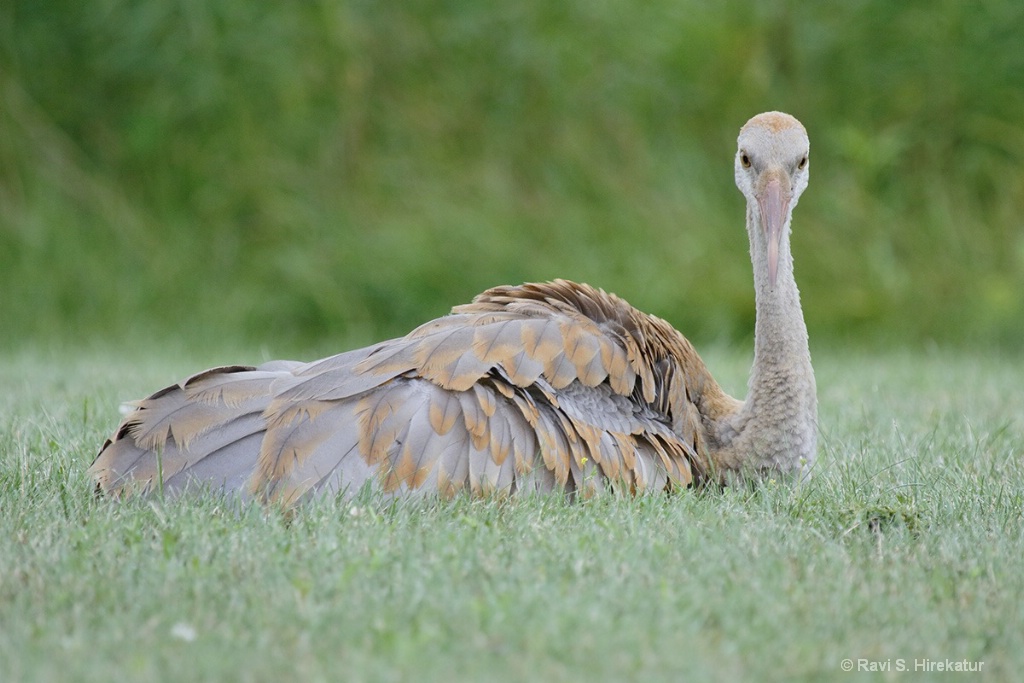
(541, 387)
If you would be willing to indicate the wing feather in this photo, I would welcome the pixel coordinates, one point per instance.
(541, 387)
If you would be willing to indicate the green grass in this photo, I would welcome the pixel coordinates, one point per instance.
(344, 170)
(906, 544)
(343, 167)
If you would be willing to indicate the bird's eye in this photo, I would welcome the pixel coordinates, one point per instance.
(803, 163)
(745, 160)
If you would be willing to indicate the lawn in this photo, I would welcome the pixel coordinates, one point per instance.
(299, 172)
(905, 548)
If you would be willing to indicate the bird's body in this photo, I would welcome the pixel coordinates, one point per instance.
(541, 387)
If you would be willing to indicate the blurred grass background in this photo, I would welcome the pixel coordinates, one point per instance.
(329, 173)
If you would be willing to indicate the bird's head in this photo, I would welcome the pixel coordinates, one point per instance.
(771, 171)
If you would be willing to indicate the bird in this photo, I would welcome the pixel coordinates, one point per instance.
(542, 387)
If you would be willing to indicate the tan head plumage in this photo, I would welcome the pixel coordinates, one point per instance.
(773, 122)
(771, 171)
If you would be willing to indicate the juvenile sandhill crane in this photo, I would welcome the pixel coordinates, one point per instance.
(541, 387)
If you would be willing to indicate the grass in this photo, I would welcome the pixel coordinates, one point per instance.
(906, 544)
(344, 167)
(345, 170)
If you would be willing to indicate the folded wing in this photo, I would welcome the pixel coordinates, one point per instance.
(533, 388)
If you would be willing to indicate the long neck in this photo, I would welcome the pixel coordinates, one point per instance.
(778, 421)
(780, 335)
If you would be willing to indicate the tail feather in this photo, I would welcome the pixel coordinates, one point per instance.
(227, 469)
(535, 389)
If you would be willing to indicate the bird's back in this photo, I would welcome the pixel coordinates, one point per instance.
(540, 387)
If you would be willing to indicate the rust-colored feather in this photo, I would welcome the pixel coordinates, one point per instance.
(376, 429)
(443, 412)
(497, 341)
(554, 386)
(523, 370)
(542, 340)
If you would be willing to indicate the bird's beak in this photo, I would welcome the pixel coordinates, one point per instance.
(773, 202)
